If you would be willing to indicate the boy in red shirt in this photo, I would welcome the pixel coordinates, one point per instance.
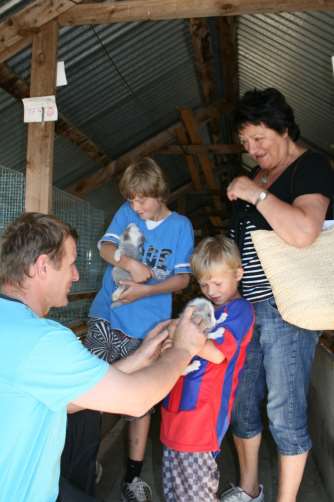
(196, 414)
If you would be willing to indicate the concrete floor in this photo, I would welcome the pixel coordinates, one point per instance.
(112, 455)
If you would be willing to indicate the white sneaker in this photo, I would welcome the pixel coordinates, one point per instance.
(136, 491)
(236, 494)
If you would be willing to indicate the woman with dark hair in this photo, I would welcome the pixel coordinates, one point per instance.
(288, 192)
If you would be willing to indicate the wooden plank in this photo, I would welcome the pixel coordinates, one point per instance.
(227, 28)
(91, 182)
(155, 10)
(181, 136)
(40, 139)
(218, 149)
(17, 30)
(192, 167)
(81, 295)
(201, 43)
(180, 192)
(192, 126)
(203, 59)
(15, 48)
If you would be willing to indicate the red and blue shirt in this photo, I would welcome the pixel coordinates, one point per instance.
(196, 413)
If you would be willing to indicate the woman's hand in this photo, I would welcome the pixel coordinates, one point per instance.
(243, 188)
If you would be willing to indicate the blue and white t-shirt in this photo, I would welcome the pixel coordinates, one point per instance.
(167, 250)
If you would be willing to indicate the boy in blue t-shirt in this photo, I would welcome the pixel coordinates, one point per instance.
(196, 413)
(165, 268)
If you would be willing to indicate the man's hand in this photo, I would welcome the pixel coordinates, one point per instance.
(152, 344)
(147, 352)
(139, 271)
(190, 333)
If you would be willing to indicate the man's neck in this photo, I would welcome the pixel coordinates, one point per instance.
(21, 295)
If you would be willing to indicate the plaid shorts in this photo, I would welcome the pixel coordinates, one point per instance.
(189, 476)
(110, 345)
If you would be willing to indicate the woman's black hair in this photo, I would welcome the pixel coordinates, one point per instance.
(268, 107)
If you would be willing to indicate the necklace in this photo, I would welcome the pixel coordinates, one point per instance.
(264, 178)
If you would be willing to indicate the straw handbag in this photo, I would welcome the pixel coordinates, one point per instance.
(302, 280)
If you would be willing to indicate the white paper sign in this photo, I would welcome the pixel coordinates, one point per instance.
(40, 109)
(61, 75)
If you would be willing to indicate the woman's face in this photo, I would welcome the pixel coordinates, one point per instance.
(267, 147)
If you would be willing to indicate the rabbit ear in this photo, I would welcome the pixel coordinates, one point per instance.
(117, 254)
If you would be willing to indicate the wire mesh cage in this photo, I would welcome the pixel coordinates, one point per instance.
(88, 221)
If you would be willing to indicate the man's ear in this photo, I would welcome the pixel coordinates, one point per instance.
(41, 265)
(239, 273)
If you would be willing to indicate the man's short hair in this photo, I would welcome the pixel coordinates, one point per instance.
(27, 238)
(144, 179)
(212, 253)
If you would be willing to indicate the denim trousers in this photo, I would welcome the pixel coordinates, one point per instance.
(278, 367)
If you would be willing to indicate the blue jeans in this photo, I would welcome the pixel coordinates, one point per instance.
(279, 362)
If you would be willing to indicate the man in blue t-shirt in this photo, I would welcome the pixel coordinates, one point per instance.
(44, 369)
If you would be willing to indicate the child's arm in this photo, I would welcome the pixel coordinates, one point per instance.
(138, 270)
(211, 353)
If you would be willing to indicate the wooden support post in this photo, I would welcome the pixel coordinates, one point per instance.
(40, 141)
(181, 136)
(192, 127)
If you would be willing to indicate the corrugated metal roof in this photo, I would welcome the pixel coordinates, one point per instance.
(292, 51)
(125, 82)
(11, 7)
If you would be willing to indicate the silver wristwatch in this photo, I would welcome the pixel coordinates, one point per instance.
(262, 196)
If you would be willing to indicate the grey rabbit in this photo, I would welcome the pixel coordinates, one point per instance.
(131, 245)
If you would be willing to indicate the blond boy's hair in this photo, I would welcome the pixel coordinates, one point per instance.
(144, 179)
(212, 253)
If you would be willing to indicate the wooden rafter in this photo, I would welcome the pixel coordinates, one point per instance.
(196, 149)
(192, 126)
(102, 176)
(19, 88)
(228, 55)
(16, 31)
(203, 58)
(182, 138)
(154, 10)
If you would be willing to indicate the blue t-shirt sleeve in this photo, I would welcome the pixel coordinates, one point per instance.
(59, 368)
(118, 224)
(184, 248)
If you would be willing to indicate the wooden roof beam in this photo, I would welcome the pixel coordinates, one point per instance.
(192, 126)
(218, 149)
(93, 181)
(227, 28)
(16, 32)
(203, 58)
(155, 10)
